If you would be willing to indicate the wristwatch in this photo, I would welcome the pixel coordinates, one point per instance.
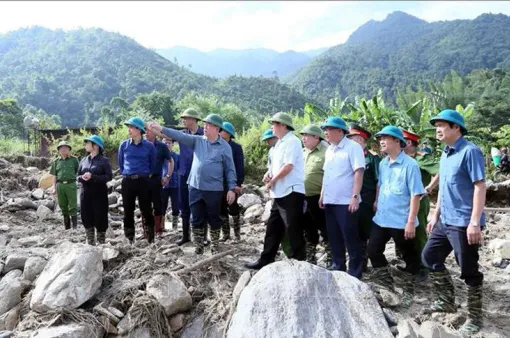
(474, 224)
(355, 196)
(167, 176)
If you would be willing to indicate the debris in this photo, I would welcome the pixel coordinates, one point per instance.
(170, 292)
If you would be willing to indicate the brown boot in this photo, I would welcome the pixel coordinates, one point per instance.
(158, 228)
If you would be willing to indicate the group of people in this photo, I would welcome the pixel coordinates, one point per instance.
(327, 185)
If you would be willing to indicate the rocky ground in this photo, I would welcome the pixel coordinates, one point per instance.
(54, 285)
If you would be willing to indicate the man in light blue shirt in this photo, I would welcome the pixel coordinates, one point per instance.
(212, 169)
(457, 221)
(399, 190)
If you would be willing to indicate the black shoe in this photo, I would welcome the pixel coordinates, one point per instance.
(259, 264)
(67, 222)
(74, 221)
(182, 241)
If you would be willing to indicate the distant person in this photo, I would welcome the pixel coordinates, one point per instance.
(425, 147)
(504, 163)
(270, 140)
(94, 172)
(228, 134)
(171, 188)
(136, 159)
(64, 170)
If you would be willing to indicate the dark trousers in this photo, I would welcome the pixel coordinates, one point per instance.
(184, 196)
(156, 194)
(445, 238)
(173, 195)
(94, 207)
(314, 221)
(285, 219)
(343, 234)
(205, 207)
(132, 189)
(232, 209)
(379, 236)
(365, 220)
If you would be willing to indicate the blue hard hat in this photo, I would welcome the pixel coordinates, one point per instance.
(452, 116)
(393, 131)
(335, 122)
(229, 128)
(95, 139)
(267, 135)
(136, 122)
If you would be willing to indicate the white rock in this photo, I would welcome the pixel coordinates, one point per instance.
(71, 277)
(253, 212)
(10, 293)
(177, 322)
(170, 292)
(109, 254)
(389, 298)
(195, 328)
(247, 200)
(65, 331)
(267, 211)
(496, 261)
(3, 241)
(33, 267)
(112, 199)
(408, 329)
(298, 299)
(15, 261)
(38, 194)
(4, 228)
(502, 249)
(431, 329)
(116, 312)
(30, 241)
(241, 284)
(43, 212)
(9, 320)
(32, 170)
(20, 204)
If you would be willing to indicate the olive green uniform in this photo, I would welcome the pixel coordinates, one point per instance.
(65, 170)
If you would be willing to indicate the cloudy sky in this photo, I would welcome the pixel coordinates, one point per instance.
(228, 24)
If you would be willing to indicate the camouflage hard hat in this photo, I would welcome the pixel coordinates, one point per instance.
(64, 144)
(191, 112)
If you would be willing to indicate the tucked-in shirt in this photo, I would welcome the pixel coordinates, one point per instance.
(237, 153)
(370, 177)
(136, 159)
(65, 169)
(288, 151)
(173, 182)
(186, 153)
(100, 168)
(212, 161)
(162, 155)
(342, 160)
(398, 182)
(460, 167)
(314, 169)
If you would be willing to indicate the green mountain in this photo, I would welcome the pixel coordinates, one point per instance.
(403, 51)
(75, 73)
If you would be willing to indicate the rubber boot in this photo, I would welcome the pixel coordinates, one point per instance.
(74, 221)
(408, 294)
(150, 234)
(91, 236)
(237, 227)
(474, 304)
(329, 256)
(215, 239)
(175, 222)
(101, 237)
(198, 240)
(383, 277)
(311, 251)
(185, 232)
(158, 228)
(67, 222)
(206, 235)
(445, 292)
(225, 228)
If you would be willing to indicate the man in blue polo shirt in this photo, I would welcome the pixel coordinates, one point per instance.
(136, 159)
(457, 221)
(397, 202)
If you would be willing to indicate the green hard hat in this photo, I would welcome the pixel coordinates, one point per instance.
(313, 130)
(282, 118)
(214, 119)
(64, 143)
(191, 112)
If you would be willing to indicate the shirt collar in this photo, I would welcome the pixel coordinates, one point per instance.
(399, 159)
(340, 145)
(133, 143)
(456, 146)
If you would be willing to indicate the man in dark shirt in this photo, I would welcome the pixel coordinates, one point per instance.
(136, 159)
(228, 133)
(157, 182)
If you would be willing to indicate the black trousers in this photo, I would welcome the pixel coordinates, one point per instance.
(184, 196)
(205, 208)
(445, 238)
(285, 218)
(379, 236)
(232, 209)
(314, 221)
(171, 194)
(131, 190)
(156, 192)
(94, 206)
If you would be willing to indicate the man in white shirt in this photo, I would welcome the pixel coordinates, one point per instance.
(340, 196)
(286, 184)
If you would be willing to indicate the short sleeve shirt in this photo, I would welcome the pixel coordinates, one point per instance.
(288, 150)
(65, 169)
(314, 169)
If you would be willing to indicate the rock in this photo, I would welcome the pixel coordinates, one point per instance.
(195, 328)
(50, 204)
(30, 241)
(161, 259)
(100, 309)
(3, 241)
(497, 262)
(177, 322)
(408, 329)
(503, 249)
(241, 284)
(33, 267)
(430, 329)
(126, 325)
(9, 320)
(394, 330)
(10, 292)
(48, 241)
(46, 181)
(43, 212)
(139, 332)
(109, 254)
(38, 194)
(1, 267)
(267, 211)
(67, 331)
(284, 298)
(504, 263)
(455, 320)
(6, 334)
(4, 228)
(389, 298)
(170, 292)
(16, 204)
(247, 200)
(107, 325)
(15, 261)
(71, 277)
(116, 312)
(112, 199)
(253, 212)
(390, 316)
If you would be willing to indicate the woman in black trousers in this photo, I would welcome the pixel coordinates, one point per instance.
(93, 173)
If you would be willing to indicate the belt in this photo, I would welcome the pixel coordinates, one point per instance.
(135, 177)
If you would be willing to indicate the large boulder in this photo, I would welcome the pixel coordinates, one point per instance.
(38, 194)
(33, 267)
(298, 299)
(253, 212)
(11, 288)
(15, 262)
(67, 331)
(170, 292)
(43, 212)
(247, 200)
(71, 277)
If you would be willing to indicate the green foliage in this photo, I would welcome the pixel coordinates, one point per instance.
(11, 146)
(11, 119)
